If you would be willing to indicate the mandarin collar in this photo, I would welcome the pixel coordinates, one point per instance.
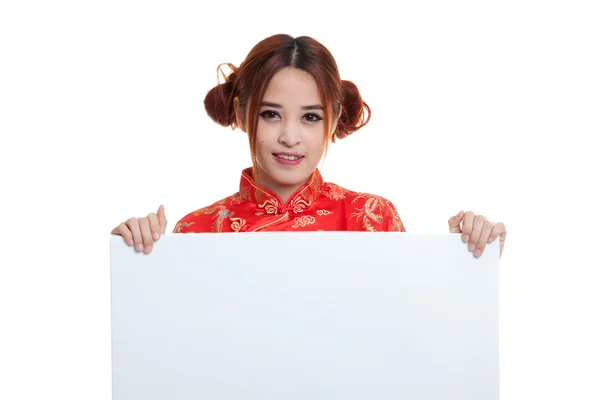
(271, 203)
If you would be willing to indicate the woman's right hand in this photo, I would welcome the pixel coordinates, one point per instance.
(143, 232)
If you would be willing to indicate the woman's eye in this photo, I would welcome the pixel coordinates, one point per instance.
(269, 114)
(312, 117)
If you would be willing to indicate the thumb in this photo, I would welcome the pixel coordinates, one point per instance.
(454, 222)
(162, 219)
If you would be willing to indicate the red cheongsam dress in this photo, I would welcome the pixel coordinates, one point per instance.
(316, 206)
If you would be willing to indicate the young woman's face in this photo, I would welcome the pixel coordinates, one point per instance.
(290, 137)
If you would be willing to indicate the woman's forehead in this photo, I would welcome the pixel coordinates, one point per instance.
(292, 87)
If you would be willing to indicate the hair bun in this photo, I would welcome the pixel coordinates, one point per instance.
(355, 112)
(218, 102)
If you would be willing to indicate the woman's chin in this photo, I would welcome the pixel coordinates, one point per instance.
(290, 177)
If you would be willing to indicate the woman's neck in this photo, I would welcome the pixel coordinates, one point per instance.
(284, 192)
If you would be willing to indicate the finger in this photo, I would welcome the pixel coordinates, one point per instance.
(146, 234)
(162, 219)
(134, 228)
(467, 225)
(475, 234)
(483, 238)
(498, 230)
(502, 236)
(154, 226)
(454, 222)
(124, 231)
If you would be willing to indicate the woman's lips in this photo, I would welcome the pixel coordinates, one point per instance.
(288, 158)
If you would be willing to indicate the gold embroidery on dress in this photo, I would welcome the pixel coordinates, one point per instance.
(303, 221)
(315, 187)
(270, 206)
(237, 224)
(219, 205)
(284, 218)
(298, 204)
(397, 225)
(259, 193)
(177, 228)
(237, 198)
(309, 193)
(245, 193)
(252, 192)
(220, 213)
(217, 226)
(258, 213)
(180, 225)
(323, 212)
(334, 192)
(218, 209)
(258, 196)
(372, 211)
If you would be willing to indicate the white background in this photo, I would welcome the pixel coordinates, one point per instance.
(490, 107)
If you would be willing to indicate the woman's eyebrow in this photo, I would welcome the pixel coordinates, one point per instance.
(275, 105)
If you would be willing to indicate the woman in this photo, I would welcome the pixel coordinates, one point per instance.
(287, 96)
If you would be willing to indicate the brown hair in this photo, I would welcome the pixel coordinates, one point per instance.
(249, 83)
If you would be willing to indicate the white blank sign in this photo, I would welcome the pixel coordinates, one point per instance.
(306, 315)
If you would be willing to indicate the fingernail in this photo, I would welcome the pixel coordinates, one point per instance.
(148, 249)
(130, 243)
(477, 253)
(139, 247)
(490, 240)
(465, 238)
(471, 247)
(155, 236)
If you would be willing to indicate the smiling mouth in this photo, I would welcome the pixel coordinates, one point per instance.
(288, 157)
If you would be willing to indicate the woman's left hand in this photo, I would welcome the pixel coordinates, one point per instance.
(477, 230)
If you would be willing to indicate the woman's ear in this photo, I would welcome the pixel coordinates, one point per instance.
(239, 114)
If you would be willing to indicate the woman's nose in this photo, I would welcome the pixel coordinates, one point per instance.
(290, 134)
